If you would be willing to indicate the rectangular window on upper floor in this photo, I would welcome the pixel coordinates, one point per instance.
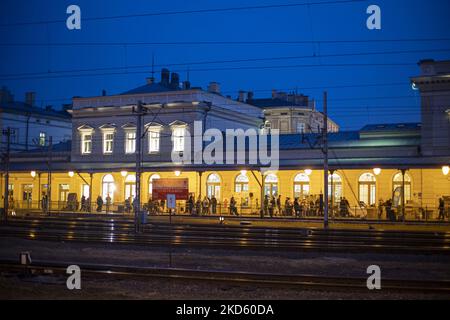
(86, 143)
(153, 140)
(42, 139)
(108, 141)
(130, 142)
(178, 135)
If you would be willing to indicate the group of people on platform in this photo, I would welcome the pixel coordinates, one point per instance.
(273, 205)
(307, 207)
(207, 205)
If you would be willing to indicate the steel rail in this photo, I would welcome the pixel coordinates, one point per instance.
(236, 277)
(232, 237)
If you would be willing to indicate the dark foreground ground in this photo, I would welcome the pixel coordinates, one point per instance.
(419, 267)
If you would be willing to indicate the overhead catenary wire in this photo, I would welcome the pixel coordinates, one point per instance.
(186, 12)
(223, 42)
(338, 65)
(313, 56)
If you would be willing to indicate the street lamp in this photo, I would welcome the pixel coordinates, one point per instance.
(71, 174)
(377, 171)
(123, 173)
(177, 173)
(244, 172)
(33, 173)
(445, 170)
(308, 172)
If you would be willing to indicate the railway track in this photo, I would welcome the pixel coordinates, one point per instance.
(102, 271)
(222, 236)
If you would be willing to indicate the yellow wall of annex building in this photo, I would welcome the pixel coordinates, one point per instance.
(427, 185)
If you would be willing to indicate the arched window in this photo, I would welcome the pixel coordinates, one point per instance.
(130, 187)
(213, 186)
(108, 187)
(397, 183)
(150, 182)
(301, 186)
(241, 183)
(335, 187)
(271, 185)
(367, 188)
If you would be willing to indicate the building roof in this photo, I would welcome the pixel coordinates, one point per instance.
(273, 103)
(23, 108)
(151, 88)
(392, 126)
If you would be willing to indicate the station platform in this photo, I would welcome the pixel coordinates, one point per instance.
(255, 221)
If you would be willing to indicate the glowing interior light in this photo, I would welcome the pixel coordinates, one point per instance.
(445, 170)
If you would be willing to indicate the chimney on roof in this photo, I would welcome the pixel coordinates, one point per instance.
(186, 85)
(214, 87)
(241, 97)
(175, 81)
(249, 96)
(165, 75)
(5, 95)
(30, 98)
(66, 106)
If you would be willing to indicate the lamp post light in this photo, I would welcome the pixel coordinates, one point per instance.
(123, 173)
(445, 170)
(308, 172)
(177, 173)
(33, 173)
(377, 171)
(71, 174)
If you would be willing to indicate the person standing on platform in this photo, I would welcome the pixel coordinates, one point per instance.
(279, 209)
(233, 208)
(441, 209)
(108, 203)
(198, 206)
(214, 205)
(266, 205)
(99, 204)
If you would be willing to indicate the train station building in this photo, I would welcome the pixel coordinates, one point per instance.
(405, 162)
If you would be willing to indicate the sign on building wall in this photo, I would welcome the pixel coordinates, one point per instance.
(163, 187)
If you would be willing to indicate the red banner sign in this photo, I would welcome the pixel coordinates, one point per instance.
(162, 187)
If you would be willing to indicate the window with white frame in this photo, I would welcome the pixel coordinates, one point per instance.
(108, 141)
(178, 135)
(153, 140)
(42, 139)
(130, 141)
(301, 127)
(86, 142)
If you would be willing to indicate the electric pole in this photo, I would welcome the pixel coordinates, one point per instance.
(49, 176)
(137, 206)
(325, 162)
(7, 132)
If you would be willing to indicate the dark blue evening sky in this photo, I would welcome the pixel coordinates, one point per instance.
(352, 106)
